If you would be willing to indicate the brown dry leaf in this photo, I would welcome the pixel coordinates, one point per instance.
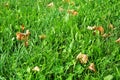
(92, 67)
(50, 4)
(100, 29)
(23, 36)
(73, 12)
(43, 36)
(83, 58)
(36, 68)
(118, 40)
(20, 36)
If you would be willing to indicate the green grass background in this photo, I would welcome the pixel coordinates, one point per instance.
(67, 36)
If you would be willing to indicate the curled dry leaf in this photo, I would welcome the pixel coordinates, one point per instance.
(43, 36)
(36, 68)
(50, 4)
(23, 36)
(20, 36)
(100, 29)
(83, 58)
(118, 40)
(92, 67)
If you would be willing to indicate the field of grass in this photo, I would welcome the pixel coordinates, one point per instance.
(66, 36)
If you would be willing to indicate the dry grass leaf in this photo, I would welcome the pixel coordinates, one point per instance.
(61, 9)
(43, 36)
(70, 11)
(118, 40)
(7, 4)
(106, 35)
(91, 28)
(110, 26)
(83, 58)
(50, 4)
(27, 32)
(69, 2)
(92, 67)
(36, 68)
(100, 29)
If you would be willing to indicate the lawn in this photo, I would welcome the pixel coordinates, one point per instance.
(58, 33)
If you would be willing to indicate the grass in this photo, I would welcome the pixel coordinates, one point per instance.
(66, 37)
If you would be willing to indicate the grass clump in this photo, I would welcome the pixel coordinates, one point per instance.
(64, 26)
